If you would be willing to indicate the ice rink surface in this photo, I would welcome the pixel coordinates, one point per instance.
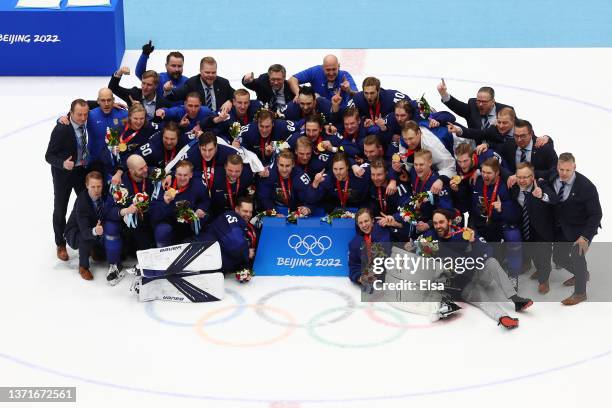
(310, 343)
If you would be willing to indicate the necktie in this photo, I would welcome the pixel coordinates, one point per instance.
(209, 98)
(525, 220)
(523, 155)
(485, 121)
(561, 192)
(83, 138)
(98, 207)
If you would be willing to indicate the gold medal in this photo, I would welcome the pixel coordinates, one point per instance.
(320, 147)
(171, 192)
(396, 158)
(468, 234)
(122, 147)
(116, 121)
(456, 179)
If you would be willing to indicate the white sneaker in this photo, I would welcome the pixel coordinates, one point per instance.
(115, 274)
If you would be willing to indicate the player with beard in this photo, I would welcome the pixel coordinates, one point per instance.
(189, 115)
(259, 135)
(307, 104)
(172, 78)
(243, 111)
(341, 189)
(183, 188)
(232, 182)
(484, 285)
(286, 189)
(495, 215)
(163, 146)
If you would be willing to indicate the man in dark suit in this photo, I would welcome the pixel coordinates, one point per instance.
(68, 155)
(577, 218)
(479, 112)
(146, 94)
(536, 199)
(84, 229)
(525, 149)
(271, 88)
(216, 92)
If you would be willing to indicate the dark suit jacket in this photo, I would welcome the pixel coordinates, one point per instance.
(541, 214)
(82, 220)
(61, 146)
(469, 111)
(135, 93)
(264, 92)
(580, 214)
(544, 159)
(489, 135)
(223, 90)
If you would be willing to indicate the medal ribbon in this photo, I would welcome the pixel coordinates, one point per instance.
(286, 191)
(343, 195)
(489, 204)
(230, 194)
(209, 179)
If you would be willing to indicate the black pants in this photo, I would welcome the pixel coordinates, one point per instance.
(566, 253)
(85, 247)
(63, 184)
(540, 252)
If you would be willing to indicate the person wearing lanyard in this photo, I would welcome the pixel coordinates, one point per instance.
(370, 239)
(496, 216)
(183, 190)
(233, 181)
(127, 222)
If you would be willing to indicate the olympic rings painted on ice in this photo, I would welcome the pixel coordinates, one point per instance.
(302, 246)
(369, 311)
(350, 305)
(202, 322)
(150, 310)
(315, 335)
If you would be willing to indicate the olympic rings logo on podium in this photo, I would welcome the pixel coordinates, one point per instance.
(309, 244)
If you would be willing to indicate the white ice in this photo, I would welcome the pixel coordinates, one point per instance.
(59, 330)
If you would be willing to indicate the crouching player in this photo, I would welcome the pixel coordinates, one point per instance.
(129, 222)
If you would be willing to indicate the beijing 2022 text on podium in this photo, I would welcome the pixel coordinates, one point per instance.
(64, 41)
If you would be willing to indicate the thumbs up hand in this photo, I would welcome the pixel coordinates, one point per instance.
(68, 163)
(99, 229)
(537, 191)
(497, 205)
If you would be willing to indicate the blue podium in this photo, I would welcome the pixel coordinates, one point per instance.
(310, 248)
(69, 41)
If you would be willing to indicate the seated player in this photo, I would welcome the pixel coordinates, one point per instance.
(243, 111)
(126, 223)
(286, 189)
(362, 247)
(185, 191)
(341, 189)
(233, 181)
(259, 135)
(189, 115)
(84, 231)
(484, 285)
(235, 234)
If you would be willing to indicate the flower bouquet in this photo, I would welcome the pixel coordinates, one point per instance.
(338, 213)
(119, 194)
(426, 246)
(244, 275)
(234, 130)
